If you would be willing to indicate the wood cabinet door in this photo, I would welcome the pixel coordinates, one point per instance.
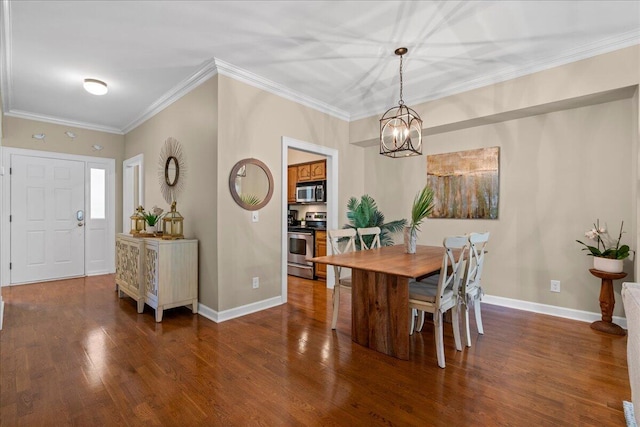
(304, 172)
(292, 180)
(321, 250)
(319, 171)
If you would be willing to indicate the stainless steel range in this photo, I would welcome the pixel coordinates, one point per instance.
(301, 244)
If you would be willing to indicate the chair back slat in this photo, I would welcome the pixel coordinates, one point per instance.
(452, 269)
(366, 232)
(342, 241)
(477, 245)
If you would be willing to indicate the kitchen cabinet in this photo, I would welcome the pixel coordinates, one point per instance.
(312, 171)
(304, 172)
(166, 272)
(321, 250)
(292, 180)
(318, 170)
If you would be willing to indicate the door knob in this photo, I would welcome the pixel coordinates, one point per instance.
(80, 224)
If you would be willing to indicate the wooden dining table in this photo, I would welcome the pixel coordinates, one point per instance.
(380, 293)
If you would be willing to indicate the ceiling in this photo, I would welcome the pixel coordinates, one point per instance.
(335, 56)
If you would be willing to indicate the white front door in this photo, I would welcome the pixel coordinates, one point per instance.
(47, 218)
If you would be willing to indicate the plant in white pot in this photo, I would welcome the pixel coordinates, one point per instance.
(610, 258)
(152, 218)
(422, 207)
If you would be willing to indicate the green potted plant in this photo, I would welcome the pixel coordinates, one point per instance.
(152, 218)
(422, 207)
(611, 257)
(364, 213)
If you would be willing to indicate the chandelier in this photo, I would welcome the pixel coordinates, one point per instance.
(401, 126)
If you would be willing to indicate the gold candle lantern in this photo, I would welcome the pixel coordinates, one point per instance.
(137, 221)
(172, 224)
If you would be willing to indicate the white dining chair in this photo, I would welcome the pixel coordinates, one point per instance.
(374, 242)
(341, 241)
(471, 289)
(439, 293)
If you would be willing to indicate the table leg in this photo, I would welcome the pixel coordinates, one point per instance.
(380, 312)
(607, 302)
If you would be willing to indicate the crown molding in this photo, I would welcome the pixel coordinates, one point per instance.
(244, 76)
(579, 53)
(205, 72)
(5, 55)
(63, 122)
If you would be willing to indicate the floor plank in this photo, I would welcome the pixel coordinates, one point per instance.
(73, 353)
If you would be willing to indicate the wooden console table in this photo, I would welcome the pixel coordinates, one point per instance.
(607, 301)
(160, 273)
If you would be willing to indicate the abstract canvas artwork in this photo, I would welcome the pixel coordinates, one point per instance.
(465, 183)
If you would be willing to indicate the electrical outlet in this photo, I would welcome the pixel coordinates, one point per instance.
(254, 216)
(256, 282)
(555, 286)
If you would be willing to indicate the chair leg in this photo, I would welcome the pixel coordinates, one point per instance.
(476, 308)
(467, 329)
(336, 305)
(455, 323)
(421, 321)
(437, 330)
(412, 320)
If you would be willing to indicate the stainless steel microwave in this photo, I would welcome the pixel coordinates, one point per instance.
(311, 192)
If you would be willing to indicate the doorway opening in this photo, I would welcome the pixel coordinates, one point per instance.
(132, 188)
(331, 156)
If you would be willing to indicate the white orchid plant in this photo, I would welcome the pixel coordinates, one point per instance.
(602, 238)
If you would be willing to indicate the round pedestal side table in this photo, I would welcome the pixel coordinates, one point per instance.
(607, 301)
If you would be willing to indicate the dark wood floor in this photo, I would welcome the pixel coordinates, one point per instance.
(72, 353)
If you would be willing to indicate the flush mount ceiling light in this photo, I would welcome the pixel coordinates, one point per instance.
(95, 87)
(400, 127)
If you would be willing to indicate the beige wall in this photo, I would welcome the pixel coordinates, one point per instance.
(17, 133)
(252, 124)
(575, 81)
(297, 156)
(559, 172)
(192, 120)
(553, 168)
(569, 141)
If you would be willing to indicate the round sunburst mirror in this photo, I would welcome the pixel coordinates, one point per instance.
(172, 170)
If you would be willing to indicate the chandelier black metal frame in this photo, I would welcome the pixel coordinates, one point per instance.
(401, 126)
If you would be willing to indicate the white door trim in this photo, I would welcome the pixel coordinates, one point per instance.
(332, 197)
(127, 184)
(5, 247)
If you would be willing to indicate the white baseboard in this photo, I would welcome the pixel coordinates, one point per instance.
(221, 316)
(552, 310)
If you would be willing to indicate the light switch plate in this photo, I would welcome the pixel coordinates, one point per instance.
(254, 216)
